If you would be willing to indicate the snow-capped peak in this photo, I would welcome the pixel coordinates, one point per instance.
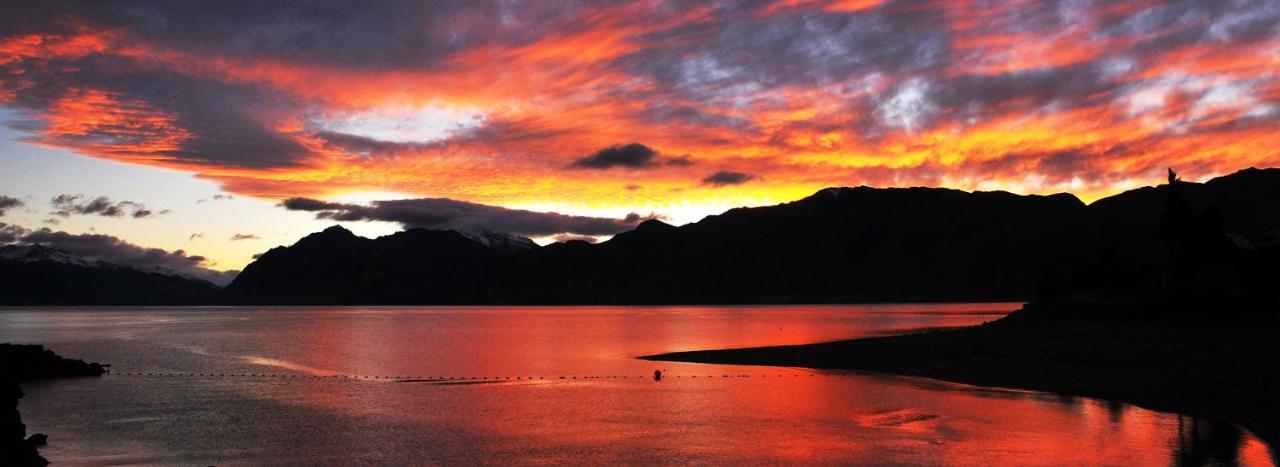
(38, 252)
(499, 240)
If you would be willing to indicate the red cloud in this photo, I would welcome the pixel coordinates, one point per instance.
(801, 94)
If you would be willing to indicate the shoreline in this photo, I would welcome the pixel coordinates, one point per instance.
(29, 362)
(1216, 371)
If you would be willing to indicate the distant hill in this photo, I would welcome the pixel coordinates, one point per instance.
(411, 267)
(1246, 201)
(38, 275)
(838, 245)
(1247, 204)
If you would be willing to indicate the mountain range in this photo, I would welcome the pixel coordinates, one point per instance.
(838, 245)
(39, 275)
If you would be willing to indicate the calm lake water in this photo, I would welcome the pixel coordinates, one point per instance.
(575, 392)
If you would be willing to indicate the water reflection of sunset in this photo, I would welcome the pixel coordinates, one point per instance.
(608, 407)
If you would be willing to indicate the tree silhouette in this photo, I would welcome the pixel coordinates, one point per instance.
(1176, 220)
(1196, 241)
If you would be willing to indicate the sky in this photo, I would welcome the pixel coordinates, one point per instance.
(213, 131)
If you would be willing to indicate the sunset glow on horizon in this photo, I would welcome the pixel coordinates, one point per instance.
(648, 108)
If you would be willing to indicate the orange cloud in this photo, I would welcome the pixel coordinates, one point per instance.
(794, 96)
(100, 124)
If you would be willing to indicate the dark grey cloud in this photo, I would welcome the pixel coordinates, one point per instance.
(636, 218)
(223, 120)
(367, 146)
(190, 118)
(1072, 86)
(634, 155)
(10, 233)
(364, 36)
(7, 203)
(240, 236)
(440, 213)
(1178, 23)
(736, 51)
(66, 205)
(727, 177)
(113, 250)
(735, 54)
(679, 161)
(308, 204)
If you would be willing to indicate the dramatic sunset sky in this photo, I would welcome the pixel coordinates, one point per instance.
(222, 129)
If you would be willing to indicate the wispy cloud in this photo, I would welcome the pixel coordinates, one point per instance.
(66, 205)
(727, 177)
(217, 197)
(439, 213)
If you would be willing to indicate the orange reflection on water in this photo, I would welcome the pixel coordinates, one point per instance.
(607, 409)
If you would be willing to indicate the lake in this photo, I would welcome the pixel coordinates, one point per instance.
(429, 385)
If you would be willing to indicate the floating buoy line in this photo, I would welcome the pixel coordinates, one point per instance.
(451, 379)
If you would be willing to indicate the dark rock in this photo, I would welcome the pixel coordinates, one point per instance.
(29, 362)
(23, 363)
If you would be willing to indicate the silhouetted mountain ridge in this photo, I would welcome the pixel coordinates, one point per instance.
(856, 244)
(1245, 199)
(821, 248)
(337, 267)
(39, 275)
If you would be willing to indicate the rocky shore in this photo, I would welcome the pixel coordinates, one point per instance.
(24, 363)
